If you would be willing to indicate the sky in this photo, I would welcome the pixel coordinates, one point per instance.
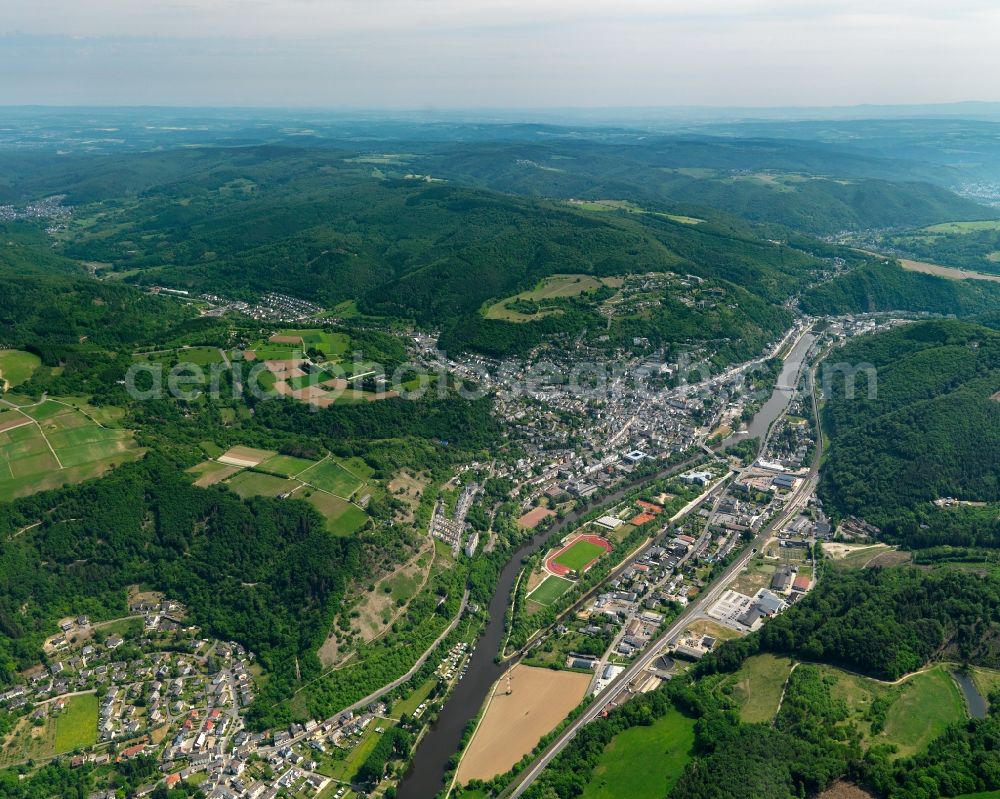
(425, 54)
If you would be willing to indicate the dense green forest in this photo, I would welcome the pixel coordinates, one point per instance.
(888, 287)
(260, 571)
(929, 431)
(317, 225)
(881, 622)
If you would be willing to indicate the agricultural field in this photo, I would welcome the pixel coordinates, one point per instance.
(550, 590)
(964, 227)
(643, 762)
(199, 356)
(51, 444)
(285, 465)
(342, 517)
(293, 342)
(758, 685)
(951, 272)
(330, 476)
(512, 725)
(325, 484)
(212, 472)
(245, 456)
(253, 484)
(16, 366)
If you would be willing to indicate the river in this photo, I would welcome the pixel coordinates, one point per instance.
(425, 777)
(784, 389)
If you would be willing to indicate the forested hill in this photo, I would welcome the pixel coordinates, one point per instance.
(878, 286)
(320, 226)
(806, 186)
(932, 430)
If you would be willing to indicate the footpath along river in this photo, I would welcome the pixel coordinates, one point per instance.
(425, 777)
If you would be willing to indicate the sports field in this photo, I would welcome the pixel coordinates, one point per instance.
(512, 725)
(550, 590)
(16, 366)
(51, 444)
(643, 762)
(578, 556)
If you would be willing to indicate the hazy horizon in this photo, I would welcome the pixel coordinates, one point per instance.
(498, 54)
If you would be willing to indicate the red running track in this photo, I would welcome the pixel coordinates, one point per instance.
(560, 570)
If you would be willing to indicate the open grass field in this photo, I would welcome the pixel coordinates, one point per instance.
(929, 702)
(286, 465)
(757, 686)
(924, 705)
(512, 725)
(643, 762)
(53, 444)
(16, 366)
(202, 356)
(981, 795)
(342, 518)
(854, 556)
(256, 484)
(550, 590)
(412, 702)
(554, 287)
(329, 475)
(76, 726)
(579, 555)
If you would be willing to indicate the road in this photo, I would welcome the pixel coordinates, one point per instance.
(695, 610)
